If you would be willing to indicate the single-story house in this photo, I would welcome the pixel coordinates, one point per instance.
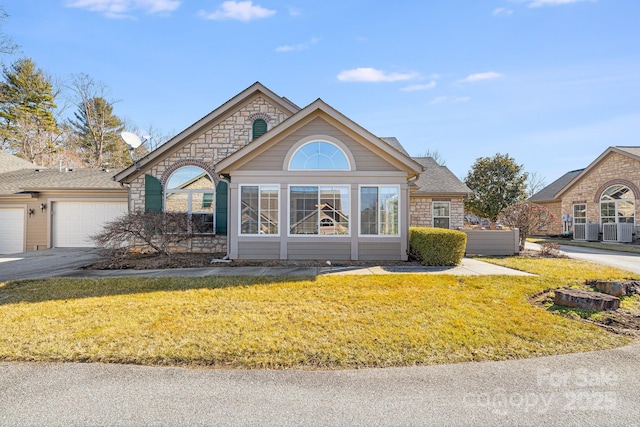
(262, 178)
(600, 201)
(43, 208)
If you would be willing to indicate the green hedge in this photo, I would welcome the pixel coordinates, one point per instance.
(437, 246)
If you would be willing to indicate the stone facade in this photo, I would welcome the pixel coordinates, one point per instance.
(614, 169)
(420, 211)
(205, 150)
(616, 166)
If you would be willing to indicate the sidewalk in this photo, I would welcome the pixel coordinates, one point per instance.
(468, 267)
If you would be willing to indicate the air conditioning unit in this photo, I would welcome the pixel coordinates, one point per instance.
(625, 233)
(621, 233)
(593, 232)
(589, 232)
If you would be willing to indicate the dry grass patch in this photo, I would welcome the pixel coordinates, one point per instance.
(326, 322)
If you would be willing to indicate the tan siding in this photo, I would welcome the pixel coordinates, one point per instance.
(374, 251)
(258, 250)
(319, 250)
(492, 242)
(274, 157)
(37, 226)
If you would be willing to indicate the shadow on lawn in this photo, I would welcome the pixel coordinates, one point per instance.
(60, 289)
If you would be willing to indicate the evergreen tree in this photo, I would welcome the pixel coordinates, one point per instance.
(97, 133)
(27, 102)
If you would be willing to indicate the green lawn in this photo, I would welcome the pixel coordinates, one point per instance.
(326, 322)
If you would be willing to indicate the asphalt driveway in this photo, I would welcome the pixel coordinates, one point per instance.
(45, 263)
(586, 389)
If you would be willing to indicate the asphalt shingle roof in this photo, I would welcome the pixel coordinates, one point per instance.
(437, 179)
(549, 192)
(50, 179)
(9, 162)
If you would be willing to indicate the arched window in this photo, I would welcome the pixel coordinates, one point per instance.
(319, 155)
(191, 190)
(259, 128)
(617, 204)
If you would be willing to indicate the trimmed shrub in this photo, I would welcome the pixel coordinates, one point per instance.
(437, 246)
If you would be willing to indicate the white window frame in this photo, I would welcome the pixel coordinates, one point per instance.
(433, 213)
(319, 138)
(616, 203)
(190, 212)
(400, 213)
(322, 236)
(240, 233)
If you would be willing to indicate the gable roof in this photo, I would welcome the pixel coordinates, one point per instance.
(207, 121)
(437, 179)
(627, 151)
(34, 180)
(549, 192)
(315, 109)
(9, 162)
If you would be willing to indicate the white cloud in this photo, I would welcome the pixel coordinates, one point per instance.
(438, 100)
(481, 76)
(501, 11)
(415, 88)
(297, 47)
(539, 3)
(122, 8)
(372, 75)
(239, 10)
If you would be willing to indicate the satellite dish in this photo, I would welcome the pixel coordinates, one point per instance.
(131, 139)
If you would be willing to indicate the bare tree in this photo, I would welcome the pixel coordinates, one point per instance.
(435, 155)
(535, 183)
(7, 46)
(96, 128)
(528, 218)
(155, 231)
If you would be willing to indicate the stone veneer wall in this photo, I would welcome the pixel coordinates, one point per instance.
(211, 146)
(613, 169)
(420, 211)
(555, 227)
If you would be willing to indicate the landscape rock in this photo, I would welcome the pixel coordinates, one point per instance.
(585, 300)
(617, 289)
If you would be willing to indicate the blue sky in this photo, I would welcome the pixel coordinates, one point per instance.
(552, 83)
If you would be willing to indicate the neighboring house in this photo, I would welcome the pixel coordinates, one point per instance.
(42, 208)
(276, 181)
(605, 194)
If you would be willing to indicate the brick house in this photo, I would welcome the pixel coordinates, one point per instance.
(276, 181)
(600, 201)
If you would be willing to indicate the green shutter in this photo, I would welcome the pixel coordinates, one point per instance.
(221, 207)
(207, 200)
(259, 128)
(152, 194)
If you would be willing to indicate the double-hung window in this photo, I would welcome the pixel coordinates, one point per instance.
(379, 211)
(191, 190)
(441, 214)
(259, 209)
(319, 210)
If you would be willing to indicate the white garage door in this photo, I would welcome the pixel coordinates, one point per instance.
(11, 230)
(75, 222)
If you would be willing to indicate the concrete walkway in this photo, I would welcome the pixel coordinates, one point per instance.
(468, 267)
(67, 262)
